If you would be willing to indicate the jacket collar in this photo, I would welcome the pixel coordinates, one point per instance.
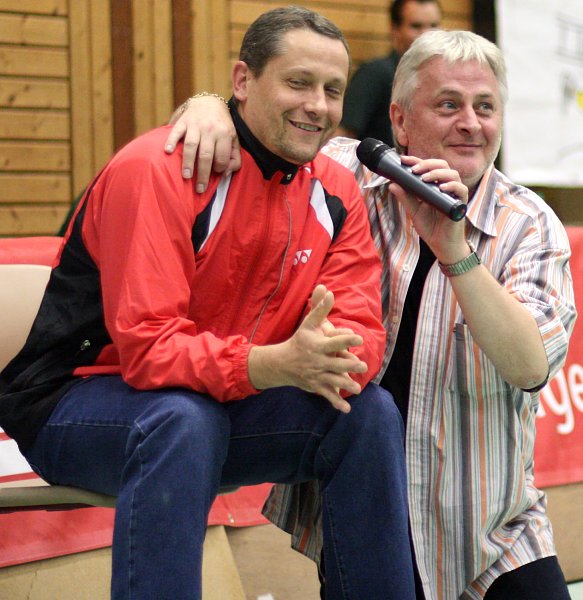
(267, 161)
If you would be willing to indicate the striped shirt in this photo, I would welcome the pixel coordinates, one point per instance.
(474, 509)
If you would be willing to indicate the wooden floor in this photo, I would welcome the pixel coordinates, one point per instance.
(86, 575)
(240, 564)
(268, 566)
(254, 563)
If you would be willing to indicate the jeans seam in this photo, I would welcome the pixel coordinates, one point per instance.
(337, 555)
(338, 558)
(271, 433)
(132, 514)
(325, 458)
(85, 424)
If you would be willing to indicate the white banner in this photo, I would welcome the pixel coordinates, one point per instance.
(542, 42)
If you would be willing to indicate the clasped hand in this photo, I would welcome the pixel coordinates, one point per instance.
(317, 358)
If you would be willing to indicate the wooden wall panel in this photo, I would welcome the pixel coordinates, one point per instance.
(82, 151)
(457, 7)
(163, 84)
(221, 60)
(36, 187)
(56, 125)
(153, 69)
(182, 47)
(35, 125)
(30, 29)
(101, 83)
(35, 128)
(29, 92)
(91, 89)
(39, 7)
(211, 45)
(365, 24)
(32, 220)
(122, 72)
(352, 19)
(40, 62)
(59, 118)
(42, 156)
(361, 47)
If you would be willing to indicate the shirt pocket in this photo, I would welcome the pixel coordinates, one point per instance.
(461, 362)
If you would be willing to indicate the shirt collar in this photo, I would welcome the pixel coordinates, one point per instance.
(481, 206)
(373, 180)
(267, 161)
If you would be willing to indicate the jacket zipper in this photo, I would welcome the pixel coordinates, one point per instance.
(280, 279)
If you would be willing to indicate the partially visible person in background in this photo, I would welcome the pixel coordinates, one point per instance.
(368, 97)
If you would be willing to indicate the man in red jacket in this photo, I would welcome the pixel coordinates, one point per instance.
(191, 340)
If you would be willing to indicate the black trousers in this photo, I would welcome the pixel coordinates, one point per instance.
(542, 579)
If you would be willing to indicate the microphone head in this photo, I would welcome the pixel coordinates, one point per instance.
(369, 152)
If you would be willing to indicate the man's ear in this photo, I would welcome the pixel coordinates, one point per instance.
(240, 76)
(398, 122)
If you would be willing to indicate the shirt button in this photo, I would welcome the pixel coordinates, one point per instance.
(406, 268)
(395, 320)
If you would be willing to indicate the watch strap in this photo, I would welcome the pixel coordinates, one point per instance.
(462, 266)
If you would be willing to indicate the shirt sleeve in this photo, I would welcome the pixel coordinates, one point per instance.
(140, 230)
(538, 275)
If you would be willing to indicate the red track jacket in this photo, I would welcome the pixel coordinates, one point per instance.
(168, 287)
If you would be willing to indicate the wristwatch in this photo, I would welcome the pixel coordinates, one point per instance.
(462, 266)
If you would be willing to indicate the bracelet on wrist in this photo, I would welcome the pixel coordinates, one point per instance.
(186, 103)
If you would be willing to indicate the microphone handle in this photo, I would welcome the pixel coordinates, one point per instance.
(430, 192)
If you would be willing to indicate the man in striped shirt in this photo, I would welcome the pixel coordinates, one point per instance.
(478, 315)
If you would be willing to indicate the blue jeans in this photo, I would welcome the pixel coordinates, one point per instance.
(165, 453)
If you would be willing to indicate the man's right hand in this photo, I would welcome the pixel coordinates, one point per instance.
(316, 358)
(209, 133)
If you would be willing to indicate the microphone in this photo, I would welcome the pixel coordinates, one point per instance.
(383, 160)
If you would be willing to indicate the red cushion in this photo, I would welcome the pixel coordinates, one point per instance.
(40, 250)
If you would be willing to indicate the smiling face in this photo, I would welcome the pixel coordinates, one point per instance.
(294, 106)
(456, 114)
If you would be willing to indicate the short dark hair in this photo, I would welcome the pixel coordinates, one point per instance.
(396, 9)
(262, 41)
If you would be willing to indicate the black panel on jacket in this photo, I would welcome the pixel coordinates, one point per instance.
(72, 334)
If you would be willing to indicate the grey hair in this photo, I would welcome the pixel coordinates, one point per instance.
(453, 47)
